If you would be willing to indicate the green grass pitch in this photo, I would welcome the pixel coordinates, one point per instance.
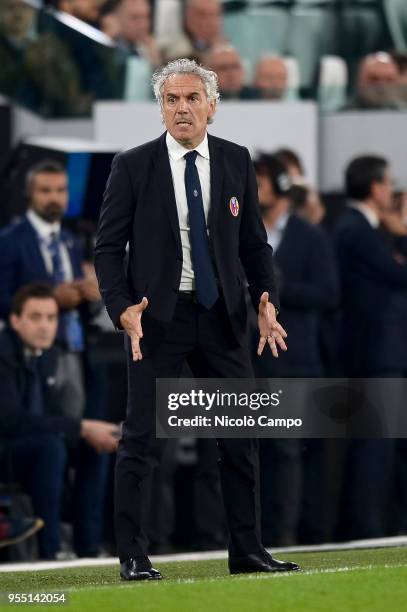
(356, 580)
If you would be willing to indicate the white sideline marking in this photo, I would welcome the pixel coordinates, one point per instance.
(203, 556)
(239, 577)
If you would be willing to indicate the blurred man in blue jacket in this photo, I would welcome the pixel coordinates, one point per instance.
(38, 249)
(38, 437)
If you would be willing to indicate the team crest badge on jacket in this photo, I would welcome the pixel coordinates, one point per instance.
(234, 206)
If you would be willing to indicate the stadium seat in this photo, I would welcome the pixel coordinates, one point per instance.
(293, 71)
(137, 80)
(168, 19)
(332, 83)
(256, 31)
(311, 34)
(363, 30)
(396, 16)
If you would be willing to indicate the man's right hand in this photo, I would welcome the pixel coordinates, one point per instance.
(130, 320)
(101, 435)
(67, 295)
(393, 222)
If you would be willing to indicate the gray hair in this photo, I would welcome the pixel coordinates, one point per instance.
(185, 66)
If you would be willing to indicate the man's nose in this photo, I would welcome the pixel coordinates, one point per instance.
(182, 106)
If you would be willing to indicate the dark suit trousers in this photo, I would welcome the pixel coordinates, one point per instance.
(204, 339)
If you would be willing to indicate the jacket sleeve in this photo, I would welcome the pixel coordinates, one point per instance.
(255, 253)
(373, 251)
(8, 266)
(112, 236)
(321, 289)
(401, 245)
(16, 421)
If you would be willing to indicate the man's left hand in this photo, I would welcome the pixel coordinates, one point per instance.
(271, 332)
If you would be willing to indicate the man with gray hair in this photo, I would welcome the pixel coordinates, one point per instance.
(187, 205)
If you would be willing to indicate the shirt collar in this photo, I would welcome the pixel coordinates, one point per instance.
(176, 151)
(43, 229)
(282, 222)
(29, 352)
(369, 214)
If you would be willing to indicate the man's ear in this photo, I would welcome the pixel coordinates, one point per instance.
(13, 320)
(375, 190)
(212, 110)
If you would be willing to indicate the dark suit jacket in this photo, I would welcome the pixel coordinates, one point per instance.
(139, 207)
(374, 285)
(15, 418)
(21, 260)
(309, 285)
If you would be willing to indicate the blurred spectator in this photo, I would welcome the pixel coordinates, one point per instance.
(37, 248)
(374, 333)
(18, 20)
(369, 269)
(271, 77)
(203, 29)
(226, 62)
(377, 84)
(14, 529)
(307, 204)
(17, 30)
(100, 66)
(306, 201)
(306, 290)
(38, 436)
(135, 37)
(109, 22)
(86, 10)
(37, 69)
(400, 60)
(400, 205)
(292, 163)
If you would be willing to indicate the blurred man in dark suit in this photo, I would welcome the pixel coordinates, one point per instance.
(374, 282)
(308, 284)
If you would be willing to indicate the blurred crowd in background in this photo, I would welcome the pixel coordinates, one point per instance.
(341, 267)
(343, 292)
(58, 57)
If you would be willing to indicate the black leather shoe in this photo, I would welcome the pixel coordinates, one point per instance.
(138, 569)
(260, 563)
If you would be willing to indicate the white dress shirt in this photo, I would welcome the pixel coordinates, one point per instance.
(45, 232)
(176, 154)
(369, 214)
(275, 235)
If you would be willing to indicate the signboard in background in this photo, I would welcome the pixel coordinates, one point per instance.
(346, 135)
(259, 126)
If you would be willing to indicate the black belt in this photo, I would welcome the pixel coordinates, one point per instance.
(188, 296)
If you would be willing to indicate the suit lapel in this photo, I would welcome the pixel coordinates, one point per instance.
(217, 171)
(32, 251)
(162, 170)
